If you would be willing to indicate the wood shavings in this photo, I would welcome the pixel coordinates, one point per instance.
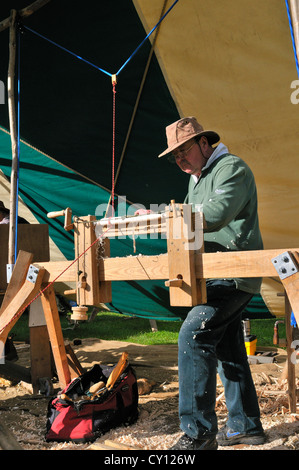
(157, 427)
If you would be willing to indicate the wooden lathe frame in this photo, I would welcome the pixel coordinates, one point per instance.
(184, 267)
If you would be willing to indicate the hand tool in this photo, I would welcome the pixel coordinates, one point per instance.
(100, 387)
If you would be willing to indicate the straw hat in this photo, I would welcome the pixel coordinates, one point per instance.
(183, 130)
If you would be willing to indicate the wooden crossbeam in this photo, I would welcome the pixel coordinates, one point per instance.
(208, 266)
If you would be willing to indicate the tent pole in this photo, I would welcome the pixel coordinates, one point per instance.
(13, 136)
(294, 4)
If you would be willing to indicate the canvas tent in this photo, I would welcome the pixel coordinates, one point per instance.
(230, 63)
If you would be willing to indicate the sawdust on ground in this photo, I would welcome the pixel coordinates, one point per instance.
(157, 427)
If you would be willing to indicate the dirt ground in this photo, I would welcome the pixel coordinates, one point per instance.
(157, 427)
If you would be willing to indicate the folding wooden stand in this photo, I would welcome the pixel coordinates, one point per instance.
(184, 267)
(25, 285)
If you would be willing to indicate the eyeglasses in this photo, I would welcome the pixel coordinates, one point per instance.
(182, 153)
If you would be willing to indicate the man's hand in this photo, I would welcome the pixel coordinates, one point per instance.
(143, 212)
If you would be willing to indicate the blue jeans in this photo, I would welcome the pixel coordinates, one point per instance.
(210, 340)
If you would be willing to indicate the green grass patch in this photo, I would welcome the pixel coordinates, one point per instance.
(116, 327)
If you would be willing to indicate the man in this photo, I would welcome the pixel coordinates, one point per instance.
(222, 186)
(5, 213)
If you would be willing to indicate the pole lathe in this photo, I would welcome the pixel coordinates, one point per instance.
(184, 268)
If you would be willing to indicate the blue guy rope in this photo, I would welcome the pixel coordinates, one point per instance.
(141, 44)
(67, 50)
(292, 35)
(90, 63)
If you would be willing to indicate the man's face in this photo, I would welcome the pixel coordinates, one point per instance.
(189, 157)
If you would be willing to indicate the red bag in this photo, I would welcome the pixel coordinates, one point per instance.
(81, 420)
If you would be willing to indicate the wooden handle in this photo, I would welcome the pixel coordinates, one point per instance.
(68, 225)
(52, 215)
(96, 387)
(118, 370)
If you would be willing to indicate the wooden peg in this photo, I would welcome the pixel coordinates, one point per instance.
(70, 292)
(177, 282)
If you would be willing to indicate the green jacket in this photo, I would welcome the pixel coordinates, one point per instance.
(226, 193)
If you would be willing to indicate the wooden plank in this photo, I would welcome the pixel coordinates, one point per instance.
(256, 263)
(208, 266)
(18, 277)
(66, 271)
(56, 336)
(135, 268)
(32, 238)
(40, 354)
(14, 372)
(105, 287)
(24, 296)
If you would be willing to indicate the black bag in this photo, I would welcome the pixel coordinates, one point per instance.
(72, 416)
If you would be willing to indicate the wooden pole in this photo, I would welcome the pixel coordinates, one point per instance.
(13, 136)
(294, 4)
(27, 11)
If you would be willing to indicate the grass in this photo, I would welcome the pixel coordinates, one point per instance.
(117, 327)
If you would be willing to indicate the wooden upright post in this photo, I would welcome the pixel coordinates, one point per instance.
(290, 364)
(88, 288)
(55, 335)
(184, 289)
(13, 136)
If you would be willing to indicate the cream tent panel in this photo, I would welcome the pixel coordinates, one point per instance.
(231, 64)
